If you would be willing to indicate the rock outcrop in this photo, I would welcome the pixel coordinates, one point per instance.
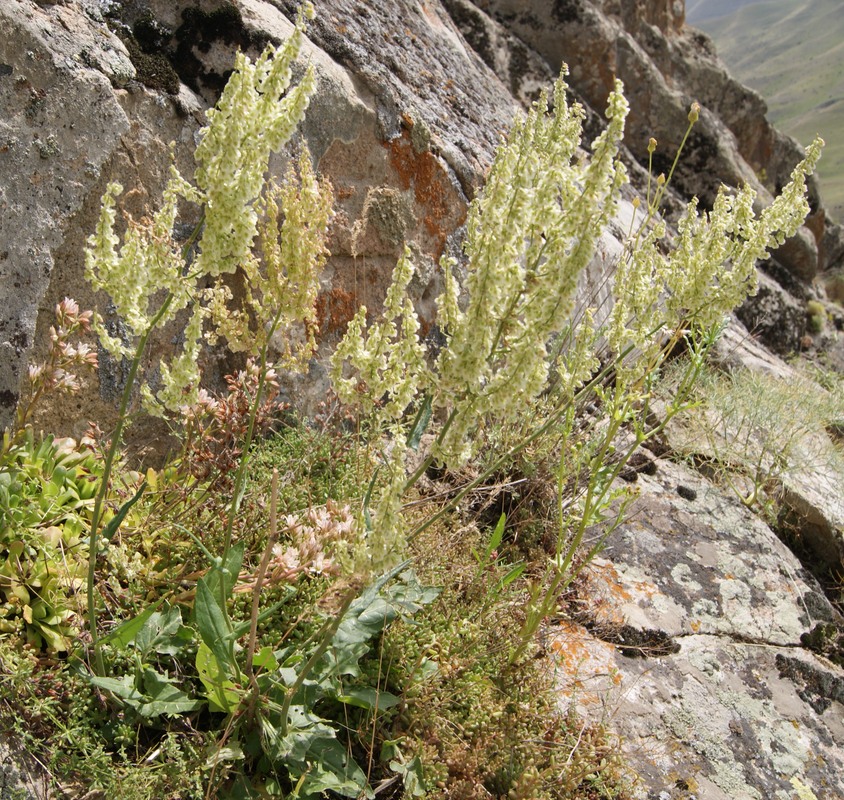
(410, 105)
(665, 66)
(694, 639)
(723, 693)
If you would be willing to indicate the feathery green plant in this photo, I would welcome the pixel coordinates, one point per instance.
(256, 115)
(530, 234)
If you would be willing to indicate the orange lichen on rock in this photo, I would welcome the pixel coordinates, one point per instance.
(585, 666)
(443, 208)
(335, 309)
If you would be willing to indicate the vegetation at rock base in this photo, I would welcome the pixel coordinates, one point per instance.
(336, 607)
(755, 431)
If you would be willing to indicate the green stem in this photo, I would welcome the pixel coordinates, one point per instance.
(325, 636)
(240, 478)
(552, 420)
(259, 580)
(114, 446)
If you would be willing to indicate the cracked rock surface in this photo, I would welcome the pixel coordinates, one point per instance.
(719, 699)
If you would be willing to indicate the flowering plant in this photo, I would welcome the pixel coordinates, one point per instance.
(151, 277)
(530, 234)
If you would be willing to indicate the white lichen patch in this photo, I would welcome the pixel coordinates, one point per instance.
(681, 573)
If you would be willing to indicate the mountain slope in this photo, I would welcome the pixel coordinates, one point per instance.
(793, 54)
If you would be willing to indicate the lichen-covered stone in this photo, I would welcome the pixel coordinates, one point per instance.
(740, 705)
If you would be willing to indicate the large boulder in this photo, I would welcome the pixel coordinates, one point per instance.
(703, 642)
(404, 122)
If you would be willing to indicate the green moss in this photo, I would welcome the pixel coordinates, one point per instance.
(817, 316)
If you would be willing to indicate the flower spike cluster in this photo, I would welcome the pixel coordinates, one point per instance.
(530, 235)
(256, 115)
(711, 266)
(386, 361)
(148, 277)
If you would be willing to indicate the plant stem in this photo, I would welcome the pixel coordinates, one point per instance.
(325, 636)
(114, 446)
(259, 578)
(240, 478)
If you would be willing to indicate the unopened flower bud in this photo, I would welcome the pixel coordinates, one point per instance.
(694, 112)
(651, 145)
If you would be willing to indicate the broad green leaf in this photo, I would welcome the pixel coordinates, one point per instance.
(125, 633)
(214, 627)
(303, 730)
(230, 751)
(412, 775)
(332, 769)
(369, 698)
(226, 573)
(343, 659)
(165, 697)
(163, 632)
(124, 688)
(370, 613)
(223, 695)
(265, 660)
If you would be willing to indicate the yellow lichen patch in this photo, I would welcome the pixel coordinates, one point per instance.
(585, 666)
(608, 591)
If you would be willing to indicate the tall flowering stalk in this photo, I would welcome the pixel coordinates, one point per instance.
(151, 278)
(530, 234)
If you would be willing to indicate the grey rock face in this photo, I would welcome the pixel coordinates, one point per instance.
(696, 637)
(60, 123)
(21, 778)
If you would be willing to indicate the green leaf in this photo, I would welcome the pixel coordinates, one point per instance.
(114, 523)
(230, 751)
(514, 573)
(221, 690)
(332, 769)
(124, 688)
(163, 632)
(303, 730)
(413, 776)
(226, 574)
(495, 539)
(370, 613)
(125, 633)
(165, 697)
(265, 660)
(368, 698)
(214, 627)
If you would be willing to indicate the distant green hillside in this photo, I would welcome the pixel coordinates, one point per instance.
(791, 52)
